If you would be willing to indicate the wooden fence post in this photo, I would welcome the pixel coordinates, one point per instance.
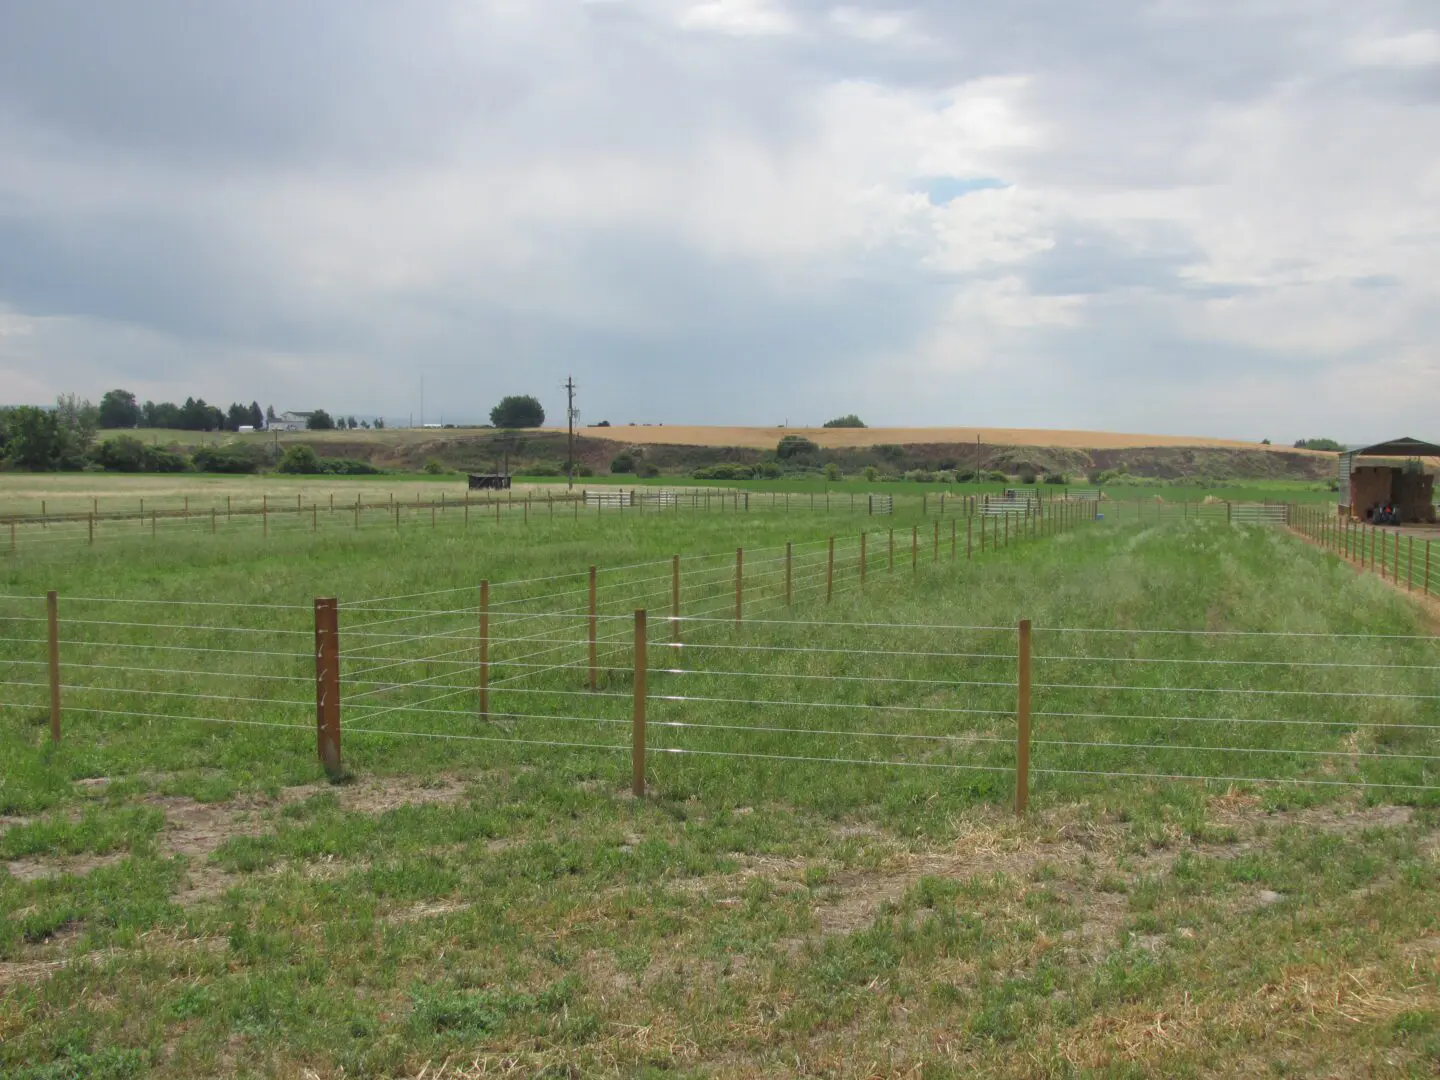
(214, 516)
(594, 628)
(954, 538)
(914, 547)
(485, 650)
(788, 592)
(675, 598)
(1410, 564)
(1395, 565)
(863, 534)
(739, 583)
(935, 555)
(1022, 721)
(52, 613)
(1427, 566)
(830, 572)
(92, 528)
(327, 684)
(637, 723)
(314, 517)
(265, 520)
(892, 550)
(969, 538)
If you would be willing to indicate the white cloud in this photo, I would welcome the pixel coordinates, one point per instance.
(740, 17)
(1409, 51)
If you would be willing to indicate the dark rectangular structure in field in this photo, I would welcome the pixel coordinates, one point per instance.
(489, 482)
(1406, 487)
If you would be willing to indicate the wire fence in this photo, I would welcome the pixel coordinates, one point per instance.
(686, 662)
(1399, 554)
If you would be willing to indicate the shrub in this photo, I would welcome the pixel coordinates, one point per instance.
(543, 468)
(603, 423)
(920, 476)
(348, 467)
(648, 469)
(832, 471)
(165, 461)
(793, 446)
(945, 476)
(1054, 478)
(435, 467)
(299, 460)
(768, 470)
(725, 470)
(1318, 444)
(583, 470)
(122, 453)
(1027, 477)
(890, 451)
(320, 420)
(229, 459)
(871, 473)
(623, 462)
(848, 420)
(996, 477)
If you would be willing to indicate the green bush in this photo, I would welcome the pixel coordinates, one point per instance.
(229, 459)
(300, 460)
(1318, 444)
(997, 477)
(648, 469)
(725, 470)
(542, 468)
(435, 467)
(623, 462)
(794, 446)
(1054, 478)
(348, 467)
(920, 476)
(832, 471)
(768, 470)
(848, 420)
(871, 473)
(165, 461)
(121, 453)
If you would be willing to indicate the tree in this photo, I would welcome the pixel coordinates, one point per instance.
(379, 423)
(237, 416)
(1318, 444)
(121, 453)
(76, 422)
(32, 439)
(351, 423)
(257, 418)
(269, 414)
(848, 420)
(319, 420)
(517, 411)
(119, 409)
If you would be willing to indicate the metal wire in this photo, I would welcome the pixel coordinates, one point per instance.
(1239, 690)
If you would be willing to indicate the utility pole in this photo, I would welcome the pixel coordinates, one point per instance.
(570, 423)
(422, 401)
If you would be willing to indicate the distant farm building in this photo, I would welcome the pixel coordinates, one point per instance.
(291, 421)
(1388, 475)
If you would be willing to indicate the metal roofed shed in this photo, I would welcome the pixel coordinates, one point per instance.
(1378, 483)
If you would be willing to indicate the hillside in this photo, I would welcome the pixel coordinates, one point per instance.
(677, 450)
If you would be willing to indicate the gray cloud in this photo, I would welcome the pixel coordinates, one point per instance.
(727, 210)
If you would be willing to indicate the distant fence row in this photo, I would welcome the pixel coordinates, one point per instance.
(1395, 554)
(719, 661)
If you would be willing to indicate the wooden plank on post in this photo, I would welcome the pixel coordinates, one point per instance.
(637, 724)
(1022, 721)
(52, 619)
(327, 684)
(594, 629)
(484, 650)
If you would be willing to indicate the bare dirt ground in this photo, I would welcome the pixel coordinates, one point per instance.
(764, 438)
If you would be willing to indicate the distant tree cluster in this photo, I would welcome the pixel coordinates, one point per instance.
(120, 409)
(1318, 444)
(848, 420)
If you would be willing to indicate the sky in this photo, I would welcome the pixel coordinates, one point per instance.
(1214, 217)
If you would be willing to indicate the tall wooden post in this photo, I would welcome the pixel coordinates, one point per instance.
(484, 650)
(739, 584)
(969, 538)
(788, 582)
(327, 684)
(92, 528)
(862, 558)
(594, 629)
(1022, 721)
(914, 547)
(675, 598)
(52, 619)
(830, 572)
(637, 724)
(1410, 564)
(892, 550)
(213, 519)
(935, 555)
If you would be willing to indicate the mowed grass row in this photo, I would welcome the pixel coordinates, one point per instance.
(502, 904)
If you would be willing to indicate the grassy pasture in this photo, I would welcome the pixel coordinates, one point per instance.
(184, 898)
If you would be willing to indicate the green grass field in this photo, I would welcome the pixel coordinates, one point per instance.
(829, 880)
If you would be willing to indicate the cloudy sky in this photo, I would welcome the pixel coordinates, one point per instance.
(1195, 216)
